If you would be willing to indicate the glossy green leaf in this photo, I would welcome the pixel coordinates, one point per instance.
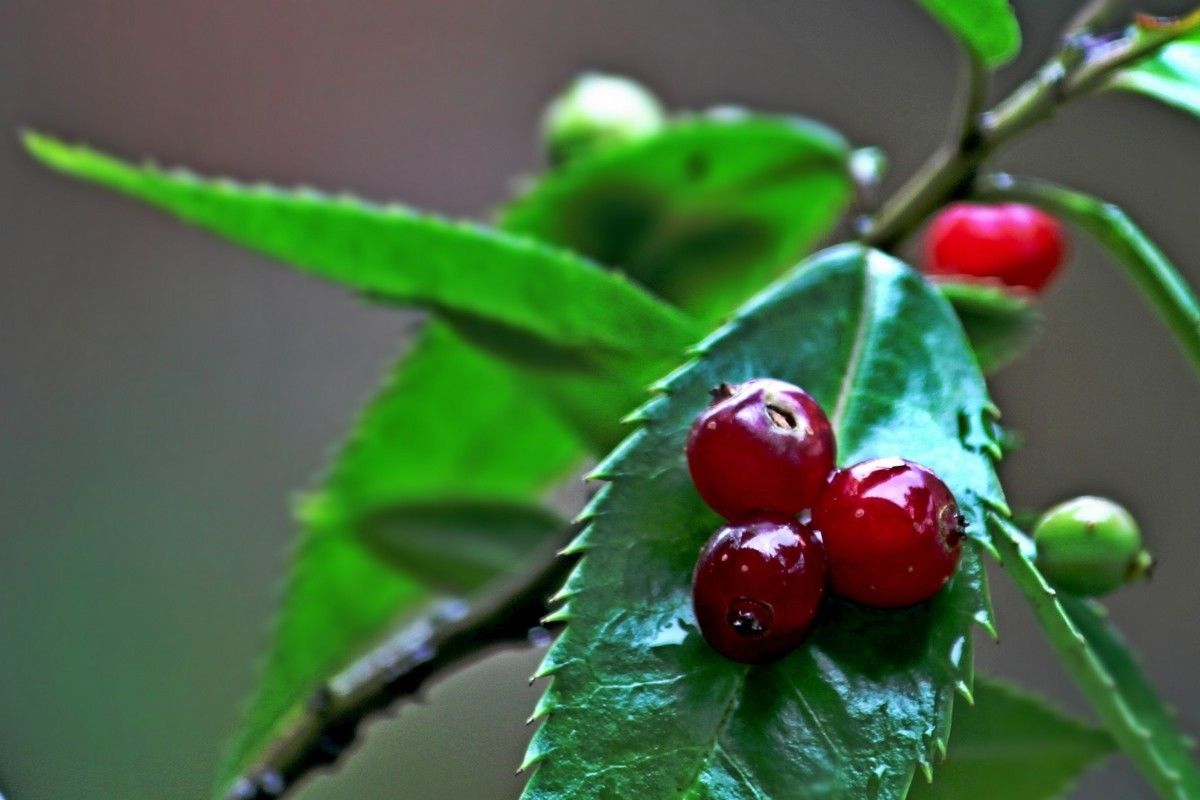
(1168, 64)
(1171, 76)
(1012, 744)
(1174, 746)
(542, 301)
(1144, 263)
(639, 705)
(416, 444)
(988, 28)
(703, 213)
(999, 323)
(459, 545)
(1106, 676)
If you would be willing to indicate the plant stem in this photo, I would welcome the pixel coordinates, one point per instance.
(455, 631)
(1079, 67)
(448, 636)
(943, 176)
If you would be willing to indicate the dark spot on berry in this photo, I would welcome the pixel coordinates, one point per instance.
(696, 167)
(749, 617)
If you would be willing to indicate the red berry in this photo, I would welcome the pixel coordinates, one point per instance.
(757, 587)
(1010, 243)
(765, 445)
(892, 532)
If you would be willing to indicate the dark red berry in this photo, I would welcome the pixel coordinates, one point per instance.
(757, 587)
(892, 532)
(1009, 243)
(764, 445)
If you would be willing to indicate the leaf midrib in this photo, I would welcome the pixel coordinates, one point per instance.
(714, 743)
(845, 388)
(853, 363)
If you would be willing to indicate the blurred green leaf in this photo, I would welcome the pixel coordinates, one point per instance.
(1105, 674)
(1171, 75)
(999, 323)
(639, 705)
(540, 297)
(453, 425)
(989, 28)
(1012, 744)
(444, 428)
(703, 213)
(459, 544)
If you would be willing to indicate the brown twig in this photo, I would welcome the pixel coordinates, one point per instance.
(451, 634)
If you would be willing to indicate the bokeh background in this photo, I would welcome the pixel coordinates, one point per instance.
(162, 393)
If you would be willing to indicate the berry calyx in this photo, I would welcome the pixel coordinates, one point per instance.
(892, 532)
(1012, 244)
(764, 445)
(1090, 546)
(597, 112)
(757, 587)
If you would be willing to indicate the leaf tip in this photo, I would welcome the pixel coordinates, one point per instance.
(560, 614)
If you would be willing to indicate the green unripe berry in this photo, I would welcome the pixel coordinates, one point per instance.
(595, 113)
(1089, 546)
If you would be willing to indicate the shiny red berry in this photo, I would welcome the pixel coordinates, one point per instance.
(757, 587)
(764, 445)
(1009, 243)
(892, 532)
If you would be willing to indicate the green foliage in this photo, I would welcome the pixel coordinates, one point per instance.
(417, 444)
(1171, 76)
(1011, 743)
(459, 544)
(640, 706)
(1105, 674)
(703, 213)
(988, 28)
(1145, 264)
(1156, 719)
(540, 301)
(999, 323)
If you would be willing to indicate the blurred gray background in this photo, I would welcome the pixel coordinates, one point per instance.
(162, 393)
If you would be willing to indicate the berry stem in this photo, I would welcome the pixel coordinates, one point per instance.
(1079, 67)
(449, 635)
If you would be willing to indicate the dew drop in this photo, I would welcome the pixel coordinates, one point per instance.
(539, 636)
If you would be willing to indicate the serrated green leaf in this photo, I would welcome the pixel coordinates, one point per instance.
(999, 323)
(639, 705)
(989, 28)
(458, 544)
(417, 442)
(454, 425)
(1175, 747)
(544, 302)
(703, 213)
(1143, 262)
(1122, 699)
(1011, 743)
(1171, 75)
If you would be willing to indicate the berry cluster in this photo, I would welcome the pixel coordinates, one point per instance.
(884, 533)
